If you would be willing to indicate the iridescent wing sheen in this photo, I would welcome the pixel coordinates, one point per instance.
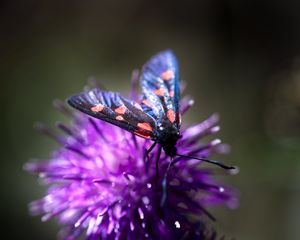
(113, 108)
(160, 88)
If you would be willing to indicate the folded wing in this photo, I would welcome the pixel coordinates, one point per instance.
(113, 108)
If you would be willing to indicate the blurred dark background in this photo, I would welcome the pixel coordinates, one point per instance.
(239, 58)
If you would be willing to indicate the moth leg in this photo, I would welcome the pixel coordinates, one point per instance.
(156, 163)
(164, 184)
(149, 150)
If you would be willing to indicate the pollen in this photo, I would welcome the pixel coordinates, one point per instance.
(167, 75)
(98, 108)
(159, 92)
(138, 106)
(146, 102)
(171, 115)
(145, 126)
(121, 110)
(120, 118)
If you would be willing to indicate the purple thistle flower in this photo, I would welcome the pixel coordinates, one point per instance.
(102, 186)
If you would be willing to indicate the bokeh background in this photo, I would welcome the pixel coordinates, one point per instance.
(239, 58)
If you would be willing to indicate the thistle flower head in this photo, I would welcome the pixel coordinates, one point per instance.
(101, 184)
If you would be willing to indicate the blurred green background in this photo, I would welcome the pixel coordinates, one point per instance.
(239, 58)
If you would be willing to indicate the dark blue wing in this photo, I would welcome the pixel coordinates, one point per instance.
(113, 108)
(160, 87)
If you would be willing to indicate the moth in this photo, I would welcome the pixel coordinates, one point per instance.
(155, 117)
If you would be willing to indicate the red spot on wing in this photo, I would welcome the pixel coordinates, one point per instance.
(144, 130)
(171, 93)
(159, 92)
(121, 110)
(178, 118)
(145, 126)
(167, 75)
(98, 108)
(171, 115)
(142, 135)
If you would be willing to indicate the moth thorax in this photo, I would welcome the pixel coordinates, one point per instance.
(168, 137)
(170, 150)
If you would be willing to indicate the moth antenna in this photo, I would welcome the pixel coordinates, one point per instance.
(222, 165)
(147, 157)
